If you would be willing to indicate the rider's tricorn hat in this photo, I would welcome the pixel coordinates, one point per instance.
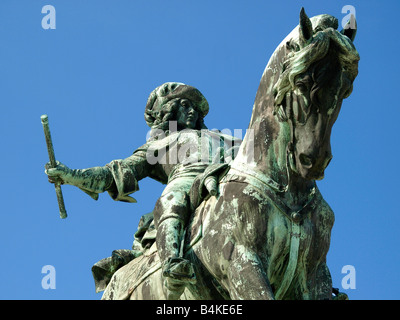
(171, 90)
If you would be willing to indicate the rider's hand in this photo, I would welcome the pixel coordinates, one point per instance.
(59, 174)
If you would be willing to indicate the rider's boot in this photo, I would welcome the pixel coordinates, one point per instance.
(177, 271)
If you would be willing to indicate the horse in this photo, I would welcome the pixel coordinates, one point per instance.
(267, 233)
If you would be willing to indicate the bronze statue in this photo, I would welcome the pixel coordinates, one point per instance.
(261, 229)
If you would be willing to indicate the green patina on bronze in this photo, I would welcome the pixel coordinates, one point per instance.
(248, 224)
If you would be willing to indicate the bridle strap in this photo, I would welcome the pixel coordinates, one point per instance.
(291, 145)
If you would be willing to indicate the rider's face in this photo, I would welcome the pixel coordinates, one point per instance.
(187, 115)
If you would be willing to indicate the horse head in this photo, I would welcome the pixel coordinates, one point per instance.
(317, 75)
(300, 96)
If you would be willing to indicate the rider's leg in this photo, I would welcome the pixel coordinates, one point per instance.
(170, 216)
(169, 237)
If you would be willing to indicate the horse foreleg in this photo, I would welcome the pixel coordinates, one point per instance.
(246, 277)
(322, 283)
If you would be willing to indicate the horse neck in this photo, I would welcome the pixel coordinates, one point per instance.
(264, 151)
(264, 146)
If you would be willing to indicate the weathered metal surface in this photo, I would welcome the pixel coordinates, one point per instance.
(267, 233)
(262, 232)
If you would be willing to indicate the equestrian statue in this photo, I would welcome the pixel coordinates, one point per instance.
(238, 219)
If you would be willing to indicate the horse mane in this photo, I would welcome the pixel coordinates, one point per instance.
(326, 41)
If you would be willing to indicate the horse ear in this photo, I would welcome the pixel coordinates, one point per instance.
(305, 28)
(350, 29)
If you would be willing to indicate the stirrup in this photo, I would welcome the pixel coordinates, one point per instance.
(180, 270)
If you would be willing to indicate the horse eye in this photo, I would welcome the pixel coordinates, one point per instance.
(301, 86)
(303, 83)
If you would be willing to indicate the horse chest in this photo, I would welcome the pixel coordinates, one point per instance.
(296, 249)
(282, 234)
(281, 230)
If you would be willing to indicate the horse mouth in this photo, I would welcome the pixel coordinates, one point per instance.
(321, 176)
(312, 175)
(310, 172)
(313, 170)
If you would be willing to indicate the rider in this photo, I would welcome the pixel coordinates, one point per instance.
(174, 157)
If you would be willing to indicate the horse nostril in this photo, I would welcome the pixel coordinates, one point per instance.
(306, 161)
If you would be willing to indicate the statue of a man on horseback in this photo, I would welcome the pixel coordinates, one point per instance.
(261, 228)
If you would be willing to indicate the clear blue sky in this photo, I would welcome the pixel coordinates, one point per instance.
(92, 76)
